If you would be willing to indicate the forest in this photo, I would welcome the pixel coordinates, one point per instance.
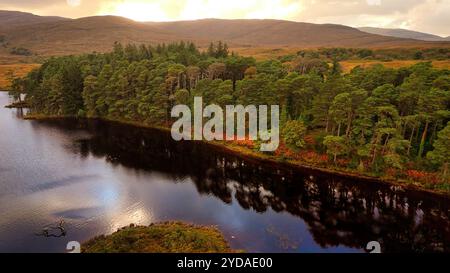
(377, 121)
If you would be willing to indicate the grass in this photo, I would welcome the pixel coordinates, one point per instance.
(347, 66)
(167, 237)
(8, 71)
(262, 53)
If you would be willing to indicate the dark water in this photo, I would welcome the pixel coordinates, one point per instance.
(100, 176)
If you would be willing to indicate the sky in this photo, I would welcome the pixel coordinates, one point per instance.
(431, 16)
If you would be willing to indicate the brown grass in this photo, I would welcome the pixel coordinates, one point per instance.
(347, 66)
(9, 71)
(265, 53)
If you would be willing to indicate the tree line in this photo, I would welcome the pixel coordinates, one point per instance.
(371, 119)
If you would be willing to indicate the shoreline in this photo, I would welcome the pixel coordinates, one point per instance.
(246, 153)
(22, 104)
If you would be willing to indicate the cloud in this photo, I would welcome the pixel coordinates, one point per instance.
(431, 16)
(65, 8)
(195, 9)
(424, 15)
(29, 3)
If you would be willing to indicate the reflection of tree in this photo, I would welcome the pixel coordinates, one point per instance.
(338, 211)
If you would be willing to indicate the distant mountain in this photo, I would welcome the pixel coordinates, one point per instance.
(55, 35)
(12, 19)
(404, 33)
(278, 33)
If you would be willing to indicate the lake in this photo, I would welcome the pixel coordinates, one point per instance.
(99, 176)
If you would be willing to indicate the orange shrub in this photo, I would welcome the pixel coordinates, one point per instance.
(421, 176)
(245, 143)
(312, 157)
(343, 162)
(309, 139)
(284, 151)
(391, 172)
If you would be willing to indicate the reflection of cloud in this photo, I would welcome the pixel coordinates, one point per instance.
(79, 213)
(135, 214)
(62, 182)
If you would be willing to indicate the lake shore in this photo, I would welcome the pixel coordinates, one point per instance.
(22, 104)
(249, 154)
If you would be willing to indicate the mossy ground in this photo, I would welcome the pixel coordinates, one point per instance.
(167, 237)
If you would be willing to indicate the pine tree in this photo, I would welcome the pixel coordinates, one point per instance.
(441, 153)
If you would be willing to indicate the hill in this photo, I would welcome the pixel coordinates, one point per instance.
(84, 35)
(281, 33)
(47, 36)
(404, 33)
(12, 19)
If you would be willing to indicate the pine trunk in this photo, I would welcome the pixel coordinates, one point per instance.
(422, 141)
(410, 140)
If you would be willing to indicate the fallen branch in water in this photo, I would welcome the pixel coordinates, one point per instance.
(47, 232)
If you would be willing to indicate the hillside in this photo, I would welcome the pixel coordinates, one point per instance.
(47, 36)
(13, 19)
(281, 33)
(84, 35)
(404, 33)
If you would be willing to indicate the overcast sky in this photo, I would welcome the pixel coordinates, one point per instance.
(432, 16)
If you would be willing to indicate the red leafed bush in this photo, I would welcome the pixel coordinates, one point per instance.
(414, 174)
(421, 176)
(312, 157)
(309, 139)
(391, 172)
(245, 143)
(343, 162)
(284, 151)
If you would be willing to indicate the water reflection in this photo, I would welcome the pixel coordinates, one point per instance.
(338, 212)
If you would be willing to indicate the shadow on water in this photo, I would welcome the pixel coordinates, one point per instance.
(338, 211)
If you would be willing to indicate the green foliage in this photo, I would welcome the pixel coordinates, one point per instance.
(341, 54)
(378, 117)
(182, 96)
(293, 133)
(170, 237)
(336, 146)
(219, 50)
(441, 153)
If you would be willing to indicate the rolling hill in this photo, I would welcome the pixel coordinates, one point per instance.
(404, 33)
(12, 19)
(279, 33)
(47, 36)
